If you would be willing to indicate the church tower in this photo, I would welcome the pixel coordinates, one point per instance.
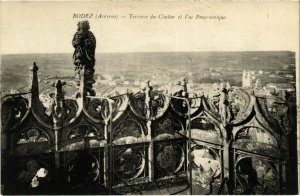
(247, 79)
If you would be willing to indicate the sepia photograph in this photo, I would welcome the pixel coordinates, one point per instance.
(149, 97)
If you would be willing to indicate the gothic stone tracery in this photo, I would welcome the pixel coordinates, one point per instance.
(137, 142)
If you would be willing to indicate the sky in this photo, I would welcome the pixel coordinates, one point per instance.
(48, 27)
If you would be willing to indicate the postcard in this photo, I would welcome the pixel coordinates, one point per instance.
(149, 97)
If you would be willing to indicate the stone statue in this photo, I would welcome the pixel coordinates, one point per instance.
(84, 43)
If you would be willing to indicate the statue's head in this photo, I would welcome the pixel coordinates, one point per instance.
(83, 25)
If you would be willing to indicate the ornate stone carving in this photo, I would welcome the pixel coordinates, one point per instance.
(232, 105)
(202, 129)
(149, 138)
(195, 103)
(224, 108)
(147, 104)
(240, 103)
(13, 110)
(180, 106)
(256, 140)
(82, 137)
(31, 141)
(256, 176)
(82, 170)
(84, 43)
(95, 108)
(160, 104)
(71, 108)
(61, 110)
(36, 106)
(127, 131)
(213, 103)
(58, 106)
(168, 128)
(169, 158)
(120, 105)
(32, 136)
(279, 113)
(83, 131)
(138, 105)
(206, 166)
(129, 163)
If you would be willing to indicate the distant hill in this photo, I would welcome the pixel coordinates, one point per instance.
(189, 61)
(15, 67)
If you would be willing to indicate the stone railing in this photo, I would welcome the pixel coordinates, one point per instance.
(147, 140)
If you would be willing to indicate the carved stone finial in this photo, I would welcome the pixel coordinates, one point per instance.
(58, 84)
(148, 83)
(58, 104)
(34, 83)
(34, 67)
(224, 107)
(148, 89)
(222, 86)
(228, 85)
(183, 84)
(84, 43)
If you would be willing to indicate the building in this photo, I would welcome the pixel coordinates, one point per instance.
(126, 82)
(247, 79)
(258, 84)
(108, 77)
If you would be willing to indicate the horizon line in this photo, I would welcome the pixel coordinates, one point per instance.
(240, 51)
